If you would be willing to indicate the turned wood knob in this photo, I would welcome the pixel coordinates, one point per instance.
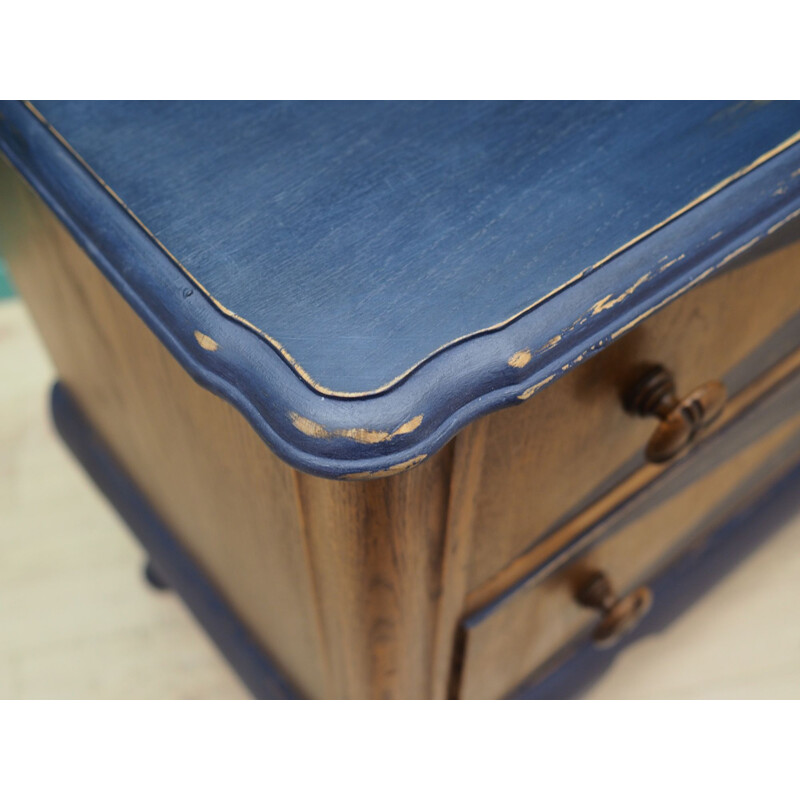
(620, 615)
(680, 419)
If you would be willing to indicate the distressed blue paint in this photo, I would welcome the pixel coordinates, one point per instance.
(173, 562)
(366, 236)
(462, 381)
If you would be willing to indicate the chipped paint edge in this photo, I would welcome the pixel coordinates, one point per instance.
(389, 471)
(360, 435)
(300, 371)
(206, 342)
(441, 423)
(520, 358)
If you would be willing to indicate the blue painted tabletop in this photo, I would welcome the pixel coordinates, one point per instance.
(362, 241)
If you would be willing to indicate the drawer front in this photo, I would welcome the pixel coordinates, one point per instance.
(529, 625)
(554, 454)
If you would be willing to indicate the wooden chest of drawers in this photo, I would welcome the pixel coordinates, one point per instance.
(416, 400)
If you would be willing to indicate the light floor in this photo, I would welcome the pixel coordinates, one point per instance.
(77, 621)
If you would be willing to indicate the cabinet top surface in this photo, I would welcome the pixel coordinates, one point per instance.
(361, 242)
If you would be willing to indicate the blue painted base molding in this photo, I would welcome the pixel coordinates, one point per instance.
(170, 559)
(676, 589)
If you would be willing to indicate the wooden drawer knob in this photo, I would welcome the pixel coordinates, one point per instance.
(680, 420)
(620, 615)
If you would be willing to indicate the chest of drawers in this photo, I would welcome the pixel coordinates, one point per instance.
(418, 400)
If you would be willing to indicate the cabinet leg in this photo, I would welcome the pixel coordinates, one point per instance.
(154, 577)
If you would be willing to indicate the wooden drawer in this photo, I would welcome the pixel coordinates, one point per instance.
(529, 625)
(573, 441)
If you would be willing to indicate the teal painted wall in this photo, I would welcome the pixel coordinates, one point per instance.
(6, 289)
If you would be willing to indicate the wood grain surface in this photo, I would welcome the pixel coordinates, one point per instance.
(376, 550)
(503, 647)
(231, 502)
(78, 622)
(575, 438)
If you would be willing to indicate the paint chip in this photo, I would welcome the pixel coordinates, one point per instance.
(535, 388)
(206, 342)
(550, 344)
(676, 260)
(362, 435)
(609, 301)
(783, 221)
(409, 426)
(519, 359)
(384, 473)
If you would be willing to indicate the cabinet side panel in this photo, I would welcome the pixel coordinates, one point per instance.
(377, 548)
(205, 472)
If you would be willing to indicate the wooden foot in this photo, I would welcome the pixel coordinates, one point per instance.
(154, 577)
